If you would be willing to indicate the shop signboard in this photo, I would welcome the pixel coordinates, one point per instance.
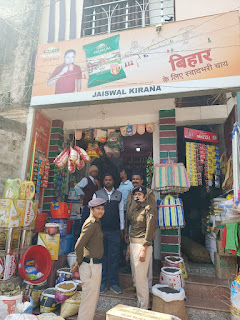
(197, 55)
(200, 135)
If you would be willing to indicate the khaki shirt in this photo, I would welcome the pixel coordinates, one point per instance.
(131, 203)
(90, 242)
(142, 223)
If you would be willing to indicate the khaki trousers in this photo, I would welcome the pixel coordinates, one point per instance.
(90, 275)
(140, 271)
(149, 275)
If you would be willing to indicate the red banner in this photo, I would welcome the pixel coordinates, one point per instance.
(200, 135)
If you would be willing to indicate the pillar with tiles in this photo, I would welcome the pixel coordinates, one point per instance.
(170, 238)
(56, 142)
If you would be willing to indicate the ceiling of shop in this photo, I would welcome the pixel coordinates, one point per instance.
(145, 142)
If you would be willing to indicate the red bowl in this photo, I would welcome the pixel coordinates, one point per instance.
(43, 263)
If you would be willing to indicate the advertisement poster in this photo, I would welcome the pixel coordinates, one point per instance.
(191, 55)
(201, 135)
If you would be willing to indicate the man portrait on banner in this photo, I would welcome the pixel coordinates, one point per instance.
(66, 77)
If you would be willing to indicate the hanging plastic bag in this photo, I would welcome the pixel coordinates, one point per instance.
(73, 155)
(78, 134)
(71, 166)
(108, 151)
(88, 137)
(79, 163)
(114, 140)
(141, 129)
(128, 131)
(150, 127)
(62, 159)
(100, 135)
(83, 154)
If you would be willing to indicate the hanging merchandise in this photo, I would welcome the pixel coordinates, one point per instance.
(114, 139)
(78, 134)
(62, 159)
(100, 135)
(149, 172)
(108, 150)
(228, 181)
(116, 152)
(46, 174)
(141, 129)
(170, 212)
(150, 127)
(203, 163)
(59, 180)
(128, 131)
(71, 166)
(79, 163)
(94, 151)
(170, 177)
(88, 137)
(83, 154)
(73, 156)
(235, 298)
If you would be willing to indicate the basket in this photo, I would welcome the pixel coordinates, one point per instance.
(168, 300)
(70, 307)
(60, 210)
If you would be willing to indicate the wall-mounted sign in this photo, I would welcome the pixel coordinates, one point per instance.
(200, 135)
(192, 55)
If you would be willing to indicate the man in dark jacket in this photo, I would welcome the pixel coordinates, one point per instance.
(113, 229)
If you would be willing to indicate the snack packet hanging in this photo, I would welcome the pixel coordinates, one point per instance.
(104, 61)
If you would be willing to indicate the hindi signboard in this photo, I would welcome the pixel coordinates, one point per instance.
(192, 55)
(200, 135)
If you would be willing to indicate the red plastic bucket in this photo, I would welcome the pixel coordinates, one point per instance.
(69, 226)
(40, 222)
(43, 262)
(62, 211)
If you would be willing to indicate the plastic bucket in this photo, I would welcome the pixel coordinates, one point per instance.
(69, 226)
(60, 210)
(43, 262)
(30, 308)
(62, 225)
(69, 241)
(47, 302)
(63, 274)
(40, 222)
(71, 258)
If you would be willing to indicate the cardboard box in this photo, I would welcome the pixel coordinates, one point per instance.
(218, 230)
(9, 217)
(51, 243)
(27, 211)
(121, 312)
(221, 251)
(226, 267)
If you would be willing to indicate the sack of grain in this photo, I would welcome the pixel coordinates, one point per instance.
(70, 306)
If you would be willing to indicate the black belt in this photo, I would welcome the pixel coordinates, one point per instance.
(95, 260)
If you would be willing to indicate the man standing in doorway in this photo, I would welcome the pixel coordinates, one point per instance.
(125, 188)
(86, 188)
(113, 230)
(137, 180)
(67, 76)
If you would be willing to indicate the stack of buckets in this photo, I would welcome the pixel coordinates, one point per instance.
(60, 215)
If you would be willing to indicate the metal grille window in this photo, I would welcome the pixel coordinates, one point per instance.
(108, 16)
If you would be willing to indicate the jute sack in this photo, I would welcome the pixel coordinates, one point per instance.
(70, 306)
(171, 303)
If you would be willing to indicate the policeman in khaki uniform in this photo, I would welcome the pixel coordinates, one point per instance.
(141, 216)
(89, 252)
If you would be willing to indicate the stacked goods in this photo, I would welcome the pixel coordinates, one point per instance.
(203, 163)
(10, 296)
(41, 168)
(149, 172)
